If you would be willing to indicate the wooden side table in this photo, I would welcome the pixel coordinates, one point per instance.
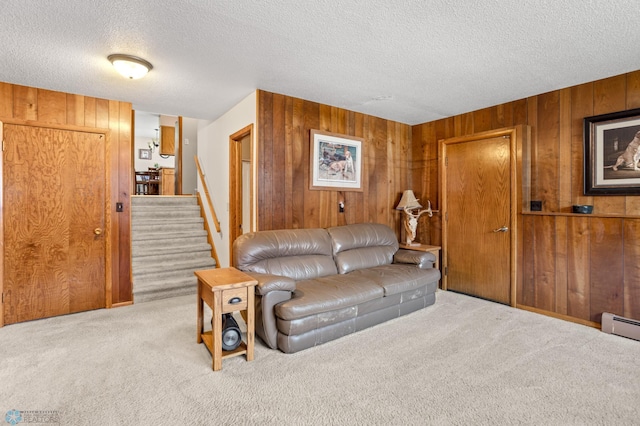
(225, 290)
(426, 248)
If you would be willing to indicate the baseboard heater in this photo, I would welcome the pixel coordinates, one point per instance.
(620, 326)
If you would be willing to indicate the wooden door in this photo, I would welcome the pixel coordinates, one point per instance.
(479, 200)
(240, 153)
(54, 221)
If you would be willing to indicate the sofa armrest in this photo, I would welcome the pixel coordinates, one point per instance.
(268, 283)
(270, 290)
(422, 260)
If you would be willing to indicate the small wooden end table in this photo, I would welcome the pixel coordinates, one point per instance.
(426, 248)
(225, 290)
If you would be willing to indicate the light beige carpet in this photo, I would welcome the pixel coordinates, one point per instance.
(461, 361)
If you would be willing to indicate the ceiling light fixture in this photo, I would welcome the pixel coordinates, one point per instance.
(129, 66)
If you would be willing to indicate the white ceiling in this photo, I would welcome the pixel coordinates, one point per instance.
(411, 61)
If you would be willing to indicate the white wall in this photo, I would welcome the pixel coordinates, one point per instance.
(142, 165)
(189, 173)
(213, 152)
(145, 125)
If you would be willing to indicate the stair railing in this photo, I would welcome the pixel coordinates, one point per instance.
(214, 217)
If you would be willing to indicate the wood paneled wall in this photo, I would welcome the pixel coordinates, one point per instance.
(579, 266)
(50, 107)
(284, 198)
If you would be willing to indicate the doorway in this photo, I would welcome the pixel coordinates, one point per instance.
(55, 221)
(481, 190)
(240, 185)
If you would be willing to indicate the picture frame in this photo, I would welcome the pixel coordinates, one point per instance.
(144, 154)
(336, 161)
(612, 153)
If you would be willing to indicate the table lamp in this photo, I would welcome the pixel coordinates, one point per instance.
(411, 207)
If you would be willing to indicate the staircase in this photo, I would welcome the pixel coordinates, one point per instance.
(168, 243)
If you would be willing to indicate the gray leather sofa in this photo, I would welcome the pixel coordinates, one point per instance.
(315, 285)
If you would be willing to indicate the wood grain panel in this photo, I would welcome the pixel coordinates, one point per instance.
(6, 100)
(52, 107)
(75, 110)
(633, 90)
(609, 95)
(278, 159)
(532, 120)
(289, 159)
(265, 169)
(547, 152)
(581, 106)
(545, 266)
(90, 112)
(561, 265)
(578, 270)
(25, 103)
(632, 268)
(482, 120)
(501, 116)
(564, 152)
(606, 267)
(300, 165)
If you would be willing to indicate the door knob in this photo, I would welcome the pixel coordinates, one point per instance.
(503, 229)
(97, 231)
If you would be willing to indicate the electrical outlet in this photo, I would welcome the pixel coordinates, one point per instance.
(119, 207)
(536, 206)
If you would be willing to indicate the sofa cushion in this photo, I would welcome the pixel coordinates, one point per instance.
(328, 294)
(299, 254)
(398, 278)
(362, 245)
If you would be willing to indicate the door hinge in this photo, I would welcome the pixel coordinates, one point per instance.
(446, 217)
(446, 161)
(2, 145)
(446, 270)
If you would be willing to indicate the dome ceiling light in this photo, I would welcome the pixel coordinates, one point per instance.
(129, 66)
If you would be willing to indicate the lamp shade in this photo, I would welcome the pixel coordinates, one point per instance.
(408, 200)
(129, 66)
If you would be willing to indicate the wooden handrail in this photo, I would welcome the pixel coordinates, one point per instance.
(216, 222)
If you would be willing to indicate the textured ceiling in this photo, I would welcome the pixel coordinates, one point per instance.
(411, 61)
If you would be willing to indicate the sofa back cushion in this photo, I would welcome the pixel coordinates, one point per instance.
(362, 245)
(299, 254)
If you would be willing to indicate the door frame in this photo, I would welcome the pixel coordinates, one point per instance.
(235, 169)
(519, 174)
(109, 233)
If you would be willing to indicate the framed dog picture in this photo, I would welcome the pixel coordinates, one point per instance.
(336, 161)
(612, 153)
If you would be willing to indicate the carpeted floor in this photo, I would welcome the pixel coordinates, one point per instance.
(461, 361)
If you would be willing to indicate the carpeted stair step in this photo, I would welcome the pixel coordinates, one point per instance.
(143, 213)
(158, 200)
(169, 226)
(144, 248)
(163, 288)
(161, 235)
(172, 262)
